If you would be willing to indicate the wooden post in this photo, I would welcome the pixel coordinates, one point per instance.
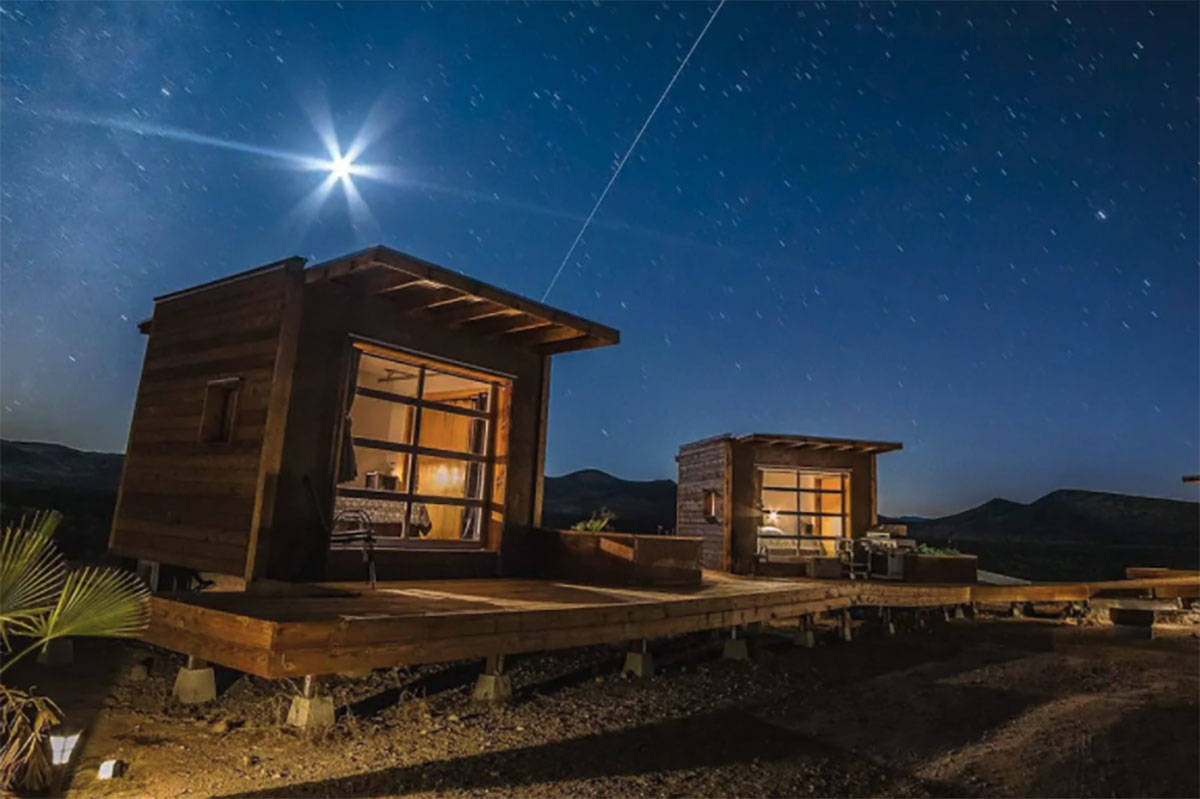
(846, 630)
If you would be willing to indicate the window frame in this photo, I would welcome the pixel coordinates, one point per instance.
(709, 505)
(228, 391)
(493, 454)
(843, 491)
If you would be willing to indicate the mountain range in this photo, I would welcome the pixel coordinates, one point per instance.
(1067, 534)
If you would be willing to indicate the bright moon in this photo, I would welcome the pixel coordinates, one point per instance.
(340, 167)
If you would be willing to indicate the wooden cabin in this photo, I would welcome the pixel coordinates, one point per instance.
(763, 498)
(283, 408)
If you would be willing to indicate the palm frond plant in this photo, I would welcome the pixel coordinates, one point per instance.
(42, 599)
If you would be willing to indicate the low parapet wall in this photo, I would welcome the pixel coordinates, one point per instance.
(621, 558)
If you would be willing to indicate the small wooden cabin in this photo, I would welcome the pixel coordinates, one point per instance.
(281, 405)
(759, 497)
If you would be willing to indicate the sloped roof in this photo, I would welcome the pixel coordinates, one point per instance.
(445, 297)
(789, 441)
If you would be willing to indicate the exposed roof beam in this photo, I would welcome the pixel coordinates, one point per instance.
(475, 310)
(501, 324)
(419, 300)
(542, 334)
(580, 342)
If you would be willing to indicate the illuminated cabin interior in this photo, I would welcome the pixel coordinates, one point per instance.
(283, 409)
(771, 498)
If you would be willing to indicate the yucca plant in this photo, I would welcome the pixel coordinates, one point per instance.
(42, 599)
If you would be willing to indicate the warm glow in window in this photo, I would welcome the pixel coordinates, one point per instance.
(419, 452)
(804, 509)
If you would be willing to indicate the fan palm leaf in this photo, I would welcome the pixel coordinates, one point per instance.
(32, 572)
(97, 601)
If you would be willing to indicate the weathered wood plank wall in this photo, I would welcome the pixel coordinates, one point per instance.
(706, 466)
(182, 500)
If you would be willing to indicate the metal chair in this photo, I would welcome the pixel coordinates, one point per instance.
(360, 532)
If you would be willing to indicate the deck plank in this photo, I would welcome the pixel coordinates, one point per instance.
(330, 627)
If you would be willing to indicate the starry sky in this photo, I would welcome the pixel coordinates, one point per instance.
(970, 227)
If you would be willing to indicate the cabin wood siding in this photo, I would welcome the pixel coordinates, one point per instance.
(749, 456)
(729, 466)
(705, 466)
(332, 315)
(201, 504)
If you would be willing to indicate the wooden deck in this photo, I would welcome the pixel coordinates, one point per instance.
(329, 628)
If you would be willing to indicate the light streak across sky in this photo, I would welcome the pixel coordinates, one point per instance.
(621, 165)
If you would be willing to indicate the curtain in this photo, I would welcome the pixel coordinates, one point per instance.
(347, 467)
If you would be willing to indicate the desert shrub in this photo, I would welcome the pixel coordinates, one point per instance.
(42, 599)
(597, 523)
(927, 549)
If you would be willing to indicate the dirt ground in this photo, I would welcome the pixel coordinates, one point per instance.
(976, 708)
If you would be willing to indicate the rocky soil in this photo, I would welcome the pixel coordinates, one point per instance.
(1014, 707)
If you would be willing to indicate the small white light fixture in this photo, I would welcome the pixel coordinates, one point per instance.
(62, 746)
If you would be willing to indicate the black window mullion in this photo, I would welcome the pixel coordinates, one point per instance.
(489, 465)
(387, 396)
(412, 458)
(433, 452)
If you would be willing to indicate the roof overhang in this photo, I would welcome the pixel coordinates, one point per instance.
(443, 297)
(818, 443)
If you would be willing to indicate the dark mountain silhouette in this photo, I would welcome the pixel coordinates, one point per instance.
(1067, 534)
(46, 465)
(1071, 534)
(1069, 515)
(641, 506)
(82, 485)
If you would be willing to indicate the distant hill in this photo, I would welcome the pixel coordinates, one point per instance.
(82, 485)
(40, 464)
(639, 505)
(1065, 535)
(1092, 517)
(1071, 534)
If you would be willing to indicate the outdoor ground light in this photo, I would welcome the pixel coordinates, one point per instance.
(62, 745)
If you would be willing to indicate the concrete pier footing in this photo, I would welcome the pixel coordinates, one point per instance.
(311, 711)
(735, 648)
(196, 683)
(493, 685)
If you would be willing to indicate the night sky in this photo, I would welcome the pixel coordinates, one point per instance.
(968, 227)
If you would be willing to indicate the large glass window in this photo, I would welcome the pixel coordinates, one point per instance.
(419, 453)
(804, 511)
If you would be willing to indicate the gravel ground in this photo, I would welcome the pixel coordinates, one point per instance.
(974, 708)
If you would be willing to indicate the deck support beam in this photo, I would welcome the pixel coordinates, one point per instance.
(889, 624)
(639, 660)
(196, 683)
(808, 633)
(735, 648)
(311, 711)
(845, 629)
(493, 685)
